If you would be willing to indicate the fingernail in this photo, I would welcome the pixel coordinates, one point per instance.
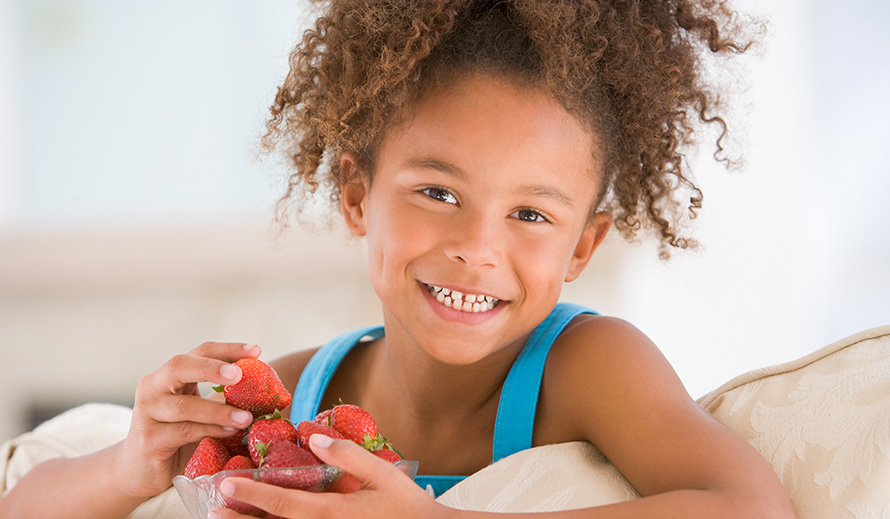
(228, 429)
(242, 417)
(212, 515)
(320, 440)
(248, 347)
(230, 372)
(227, 487)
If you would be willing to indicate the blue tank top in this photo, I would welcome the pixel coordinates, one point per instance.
(515, 419)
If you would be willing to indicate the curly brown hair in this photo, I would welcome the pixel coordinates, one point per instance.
(632, 70)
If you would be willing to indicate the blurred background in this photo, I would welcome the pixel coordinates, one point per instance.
(134, 220)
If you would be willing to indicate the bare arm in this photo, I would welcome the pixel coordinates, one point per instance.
(90, 484)
(169, 416)
(605, 382)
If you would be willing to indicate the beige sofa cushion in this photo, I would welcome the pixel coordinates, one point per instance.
(822, 422)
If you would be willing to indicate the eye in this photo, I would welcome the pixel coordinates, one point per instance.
(529, 215)
(440, 195)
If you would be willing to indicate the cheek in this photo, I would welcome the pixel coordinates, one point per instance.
(540, 261)
(394, 240)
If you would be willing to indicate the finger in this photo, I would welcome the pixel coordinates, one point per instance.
(184, 408)
(225, 513)
(275, 500)
(172, 436)
(226, 351)
(184, 370)
(353, 458)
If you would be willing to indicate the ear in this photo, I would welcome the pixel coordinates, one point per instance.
(591, 238)
(353, 193)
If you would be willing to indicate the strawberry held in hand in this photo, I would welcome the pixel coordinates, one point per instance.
(259, 391)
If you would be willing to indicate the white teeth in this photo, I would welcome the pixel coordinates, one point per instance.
(462, 302)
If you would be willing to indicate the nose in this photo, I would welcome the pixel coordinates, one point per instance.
(475, 240)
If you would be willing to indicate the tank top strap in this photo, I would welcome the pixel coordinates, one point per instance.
(321, 367)
(515, 420)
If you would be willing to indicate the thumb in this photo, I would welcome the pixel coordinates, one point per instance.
(353, 458)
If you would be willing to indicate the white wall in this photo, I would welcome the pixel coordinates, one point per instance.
(133, 222)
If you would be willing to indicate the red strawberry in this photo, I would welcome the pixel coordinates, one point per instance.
(244, 465)
(323, 418)
(240, 463)
(306, 429)
(388, 455)
(354, 423)
(345, 484)
(259, 391)
(288, 454)
(236, 444)
(209, 458)
(268, 431)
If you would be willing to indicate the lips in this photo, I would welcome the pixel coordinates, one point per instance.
(470, 303)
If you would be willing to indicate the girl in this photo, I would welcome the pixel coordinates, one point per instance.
(483, 149)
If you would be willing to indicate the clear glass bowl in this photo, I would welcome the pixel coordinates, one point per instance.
(202, 494)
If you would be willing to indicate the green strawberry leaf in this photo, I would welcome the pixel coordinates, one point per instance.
(261, 450)
(219, 389)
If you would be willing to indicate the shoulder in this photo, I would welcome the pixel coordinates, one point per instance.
(604, 370)
(600, 343)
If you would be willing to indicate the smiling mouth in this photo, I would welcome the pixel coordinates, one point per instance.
(471, 303)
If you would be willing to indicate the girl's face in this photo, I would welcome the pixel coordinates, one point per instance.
(476, 215)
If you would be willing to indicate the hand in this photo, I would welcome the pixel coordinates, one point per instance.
(170, 416)
(385, 492)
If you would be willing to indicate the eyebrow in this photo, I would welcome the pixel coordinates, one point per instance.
(548, 192)
(437, 165)
(530, 189)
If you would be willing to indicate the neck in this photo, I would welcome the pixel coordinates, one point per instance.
(430, 391)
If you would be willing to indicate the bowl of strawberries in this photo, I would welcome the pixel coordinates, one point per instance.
(274, 450)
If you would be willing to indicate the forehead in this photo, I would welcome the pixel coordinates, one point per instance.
(487, 123)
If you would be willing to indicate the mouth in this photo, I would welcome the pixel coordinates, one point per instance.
(470, 303)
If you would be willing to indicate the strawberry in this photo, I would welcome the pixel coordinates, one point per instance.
(323, 418)
(259, 391)
(354, 423)
(240, 462)
(209, 458)
(358, 425)
(244, 465)
(289, 454)
(388, 454)
(237, 443)
(306, 429)
(345, 484)
(266, 432)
